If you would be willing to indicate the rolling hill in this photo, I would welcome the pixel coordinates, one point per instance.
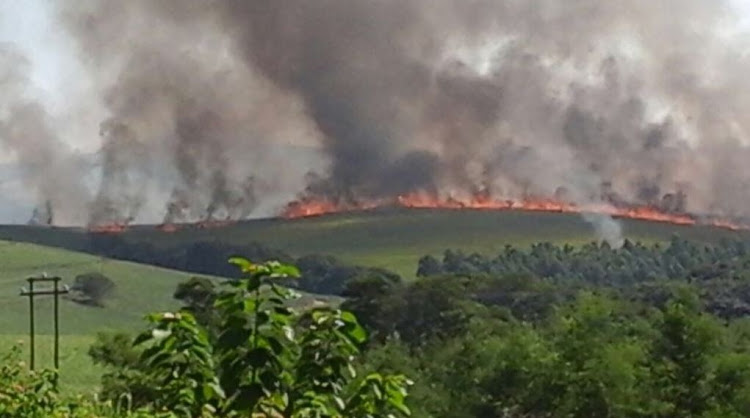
(139, 290)
(386, 238)
(392, 238)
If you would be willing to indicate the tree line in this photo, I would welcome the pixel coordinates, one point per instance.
(545, 331)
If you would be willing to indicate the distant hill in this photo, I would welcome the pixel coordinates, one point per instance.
(392, 238)
(138, 290)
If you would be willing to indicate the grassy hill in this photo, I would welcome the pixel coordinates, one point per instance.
(393, 238)
(139, 290)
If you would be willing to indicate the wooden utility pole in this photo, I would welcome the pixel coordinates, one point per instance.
(55, 292)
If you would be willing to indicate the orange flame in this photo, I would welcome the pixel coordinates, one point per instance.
(314, 207)
(168, 227)
(309, 207)
(113, 228)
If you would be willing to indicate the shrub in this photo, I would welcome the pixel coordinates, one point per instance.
(91, 289)
(264, 358)
(24, 393)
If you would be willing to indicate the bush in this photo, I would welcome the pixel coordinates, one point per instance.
(265, 358)
(24, 393)
(30, 394)
(91, 289)
(199, 295)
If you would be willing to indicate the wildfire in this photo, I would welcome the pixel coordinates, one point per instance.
(309, 207)
(113, 228)
(312, 207)
(205, 224)
(168, 227)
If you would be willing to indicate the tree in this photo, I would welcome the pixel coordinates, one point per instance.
(92, 289)
(199, 296)
(370, 296)
(428, 266)
(682, 357)
(267, 359)
(435, 307)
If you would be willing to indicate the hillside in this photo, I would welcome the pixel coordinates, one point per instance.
(139, 289)
(393, 238)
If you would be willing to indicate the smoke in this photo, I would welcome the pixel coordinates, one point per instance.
(607, 229)
(48, 167)
(632, 102)
(189, 124)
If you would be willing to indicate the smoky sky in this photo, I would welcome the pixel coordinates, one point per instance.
(231, 108)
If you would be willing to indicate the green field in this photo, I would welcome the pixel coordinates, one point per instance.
(139, 290)
(77, 373)
(393, 239)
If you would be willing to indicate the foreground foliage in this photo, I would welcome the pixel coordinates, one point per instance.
(264, 358)
(253, 356)
(512, 346)
(29, 394)
(551, 331)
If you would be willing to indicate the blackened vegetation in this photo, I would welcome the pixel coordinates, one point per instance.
(321, 274)
(202, 257)
(527, 281)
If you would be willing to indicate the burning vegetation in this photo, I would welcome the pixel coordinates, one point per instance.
(312, 207)
(236, 108)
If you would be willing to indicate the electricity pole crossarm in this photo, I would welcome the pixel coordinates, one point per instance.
(62, 291)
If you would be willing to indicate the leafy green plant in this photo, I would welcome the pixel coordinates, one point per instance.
(267, 358)
(25, 393)
(180, 365)
(30, 394)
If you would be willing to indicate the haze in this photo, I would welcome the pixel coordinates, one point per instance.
(147, 128)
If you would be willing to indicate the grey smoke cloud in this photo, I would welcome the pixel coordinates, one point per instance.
(47, 166)
(639, 101)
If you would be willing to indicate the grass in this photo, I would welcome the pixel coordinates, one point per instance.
(139, 290)
(78, 375)
(394, 239)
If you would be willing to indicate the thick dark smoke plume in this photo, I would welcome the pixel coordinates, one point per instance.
(640, 102)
